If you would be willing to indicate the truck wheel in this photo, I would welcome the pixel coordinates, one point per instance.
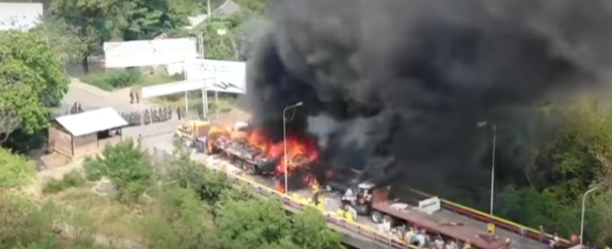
(346, 206)
(250, 169)
(388, 219)
(238, 164)
(376, 217)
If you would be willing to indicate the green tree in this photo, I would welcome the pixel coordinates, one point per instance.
(61, 37)
(33, 82)
(309, 230)
(572, 152)
(91, 21)
(253, 222)
(126, 165)
(219, 41)
(144, 19)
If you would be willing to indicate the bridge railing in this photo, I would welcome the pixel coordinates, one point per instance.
(499, 222)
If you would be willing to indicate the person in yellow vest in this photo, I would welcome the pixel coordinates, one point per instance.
(408, 236)
(467, 245)
(316, 192)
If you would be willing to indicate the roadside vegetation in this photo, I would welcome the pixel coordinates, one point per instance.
(182, 205)
(118, 79)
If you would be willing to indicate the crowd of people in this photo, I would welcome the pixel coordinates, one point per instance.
(422, 239)
(151, 115)
(148, 116)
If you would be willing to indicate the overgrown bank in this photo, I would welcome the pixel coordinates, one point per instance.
(187, 206)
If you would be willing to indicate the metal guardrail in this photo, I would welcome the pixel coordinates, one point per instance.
(498, 221)
(331, 217)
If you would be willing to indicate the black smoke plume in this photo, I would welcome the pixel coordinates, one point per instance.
(398, 86)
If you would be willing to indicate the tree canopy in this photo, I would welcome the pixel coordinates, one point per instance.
(87, 24)
(33, 81)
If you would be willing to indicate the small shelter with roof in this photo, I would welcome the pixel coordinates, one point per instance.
(85, 133)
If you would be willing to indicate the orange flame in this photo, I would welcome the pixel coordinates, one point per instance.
(300, 151)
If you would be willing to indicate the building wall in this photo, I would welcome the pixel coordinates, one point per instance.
(109, 141)
(85, 145)
(60, 140)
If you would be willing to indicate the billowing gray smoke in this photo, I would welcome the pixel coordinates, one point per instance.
(398, 86)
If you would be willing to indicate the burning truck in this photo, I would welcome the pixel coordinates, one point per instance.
(248, 148)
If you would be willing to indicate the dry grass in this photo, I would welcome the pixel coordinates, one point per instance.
(109, 217)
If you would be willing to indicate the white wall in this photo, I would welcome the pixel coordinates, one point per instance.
(149, 52)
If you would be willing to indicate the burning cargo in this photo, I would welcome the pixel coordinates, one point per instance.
(249, 148)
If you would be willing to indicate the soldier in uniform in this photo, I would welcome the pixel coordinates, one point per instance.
(155, 116)
(73, 108)
(316, 193)
(147, 117)
(178, 113)
(79, 109)
(162, 115)
(169, 110)
(131, 97)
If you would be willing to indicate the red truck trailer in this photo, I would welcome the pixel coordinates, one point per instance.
(375, 203)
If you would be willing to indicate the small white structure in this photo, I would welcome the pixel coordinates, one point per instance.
(86, 133)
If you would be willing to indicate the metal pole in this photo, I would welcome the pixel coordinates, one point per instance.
(583, 209)
(285, 143)
(186, 104)
(186, 95)
(209, 12)
(202, 51)
(205, 104)
(493, 169)
(285, 151)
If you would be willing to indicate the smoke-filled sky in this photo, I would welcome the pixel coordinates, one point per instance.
(398, 86)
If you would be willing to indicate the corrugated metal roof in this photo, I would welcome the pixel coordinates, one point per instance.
(20, 16)
(92, 121)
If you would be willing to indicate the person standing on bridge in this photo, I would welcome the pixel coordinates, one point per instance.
(467, 245)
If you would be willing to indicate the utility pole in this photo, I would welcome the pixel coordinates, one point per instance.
(208, 10)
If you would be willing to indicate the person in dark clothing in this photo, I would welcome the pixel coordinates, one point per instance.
(73, 108)
(131, 97)
(178, 113)
(79, 108)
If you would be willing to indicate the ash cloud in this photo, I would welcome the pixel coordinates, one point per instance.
(398, 86)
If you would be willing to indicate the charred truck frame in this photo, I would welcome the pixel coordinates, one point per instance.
(248, 157)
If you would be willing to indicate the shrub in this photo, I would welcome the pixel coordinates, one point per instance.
(113, 79)
(15, 171)
(126, 165)
(70, 180)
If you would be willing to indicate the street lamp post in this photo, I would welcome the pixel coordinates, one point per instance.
(493, 151)
(298, 104)
(599, 186)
